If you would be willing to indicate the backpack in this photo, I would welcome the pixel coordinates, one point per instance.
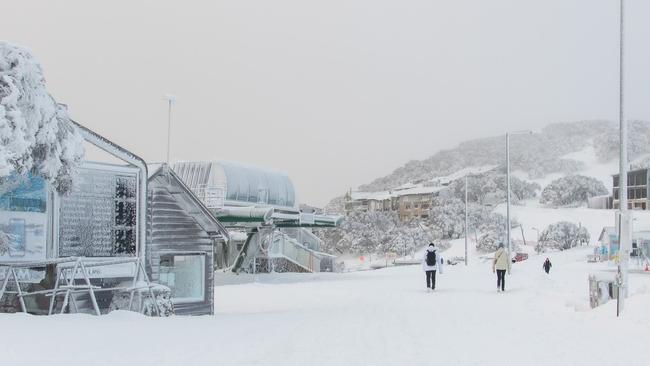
(431, 258)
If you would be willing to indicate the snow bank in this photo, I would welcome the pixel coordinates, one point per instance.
(382, 317)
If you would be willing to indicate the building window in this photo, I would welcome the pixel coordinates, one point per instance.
(184, 274)
(23, 218)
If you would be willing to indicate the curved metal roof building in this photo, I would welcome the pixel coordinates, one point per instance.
(224, 183)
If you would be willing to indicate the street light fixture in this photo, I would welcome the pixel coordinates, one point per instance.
(522, 132)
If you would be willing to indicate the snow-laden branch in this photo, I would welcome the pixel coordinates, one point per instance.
(35, 131)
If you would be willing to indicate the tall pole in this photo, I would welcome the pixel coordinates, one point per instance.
(466, 224)
(170, 99)
(624, 232)
(169, 127)
(508, 192)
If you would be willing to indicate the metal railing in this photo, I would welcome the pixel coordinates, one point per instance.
(68, 271)
(287, 247)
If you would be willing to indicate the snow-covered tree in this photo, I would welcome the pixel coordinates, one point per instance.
(494, 232)
(493, 184)
(572, 190)
(563, 235)
(447, 216)
(36, 134)
(374, 232)
(335, 206)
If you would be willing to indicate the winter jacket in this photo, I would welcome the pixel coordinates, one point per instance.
(427, 267)
(547, 265)
(501, 260)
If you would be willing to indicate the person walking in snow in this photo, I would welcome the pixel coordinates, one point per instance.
(501, 264)
(430, 265)
(547, 265)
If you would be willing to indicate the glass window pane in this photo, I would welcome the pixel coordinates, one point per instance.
(184, 275)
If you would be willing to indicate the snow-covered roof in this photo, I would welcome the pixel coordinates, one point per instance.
(462, 173)
(607, 230)
(377, 196)
(385, 195)
(420, 190)
(406, 185)
(410, 188)
(187, 200)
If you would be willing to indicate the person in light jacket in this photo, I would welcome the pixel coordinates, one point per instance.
(431, 262)
(501, 264)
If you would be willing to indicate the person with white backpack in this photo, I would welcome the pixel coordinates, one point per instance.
(431, 262)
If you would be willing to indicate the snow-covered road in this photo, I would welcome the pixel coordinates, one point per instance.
(382, 317)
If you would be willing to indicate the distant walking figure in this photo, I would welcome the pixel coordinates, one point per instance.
(430, 265)
(547, 265)
(501, 264)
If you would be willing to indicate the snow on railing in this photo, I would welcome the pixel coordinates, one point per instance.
(287, 247)
(69, 270)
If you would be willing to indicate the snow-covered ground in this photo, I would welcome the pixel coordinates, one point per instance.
(382, 317)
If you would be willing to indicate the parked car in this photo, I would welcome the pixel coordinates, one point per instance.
(520, 257)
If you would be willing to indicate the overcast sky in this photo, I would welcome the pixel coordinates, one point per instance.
(334, 92)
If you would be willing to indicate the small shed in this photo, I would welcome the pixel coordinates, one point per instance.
(182, 239)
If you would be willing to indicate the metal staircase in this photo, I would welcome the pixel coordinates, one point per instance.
(274, 251)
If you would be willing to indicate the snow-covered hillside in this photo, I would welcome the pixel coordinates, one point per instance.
(590, 165)
(382, 317)
(558, 148)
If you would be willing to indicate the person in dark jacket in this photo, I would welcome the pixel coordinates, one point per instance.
(430, 265)
(547, 265)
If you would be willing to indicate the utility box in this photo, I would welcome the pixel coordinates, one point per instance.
(602, 289)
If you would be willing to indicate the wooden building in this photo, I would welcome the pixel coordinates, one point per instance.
(183, 238)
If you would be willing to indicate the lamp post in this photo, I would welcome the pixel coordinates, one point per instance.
(466, 224)
(170, 99)
(523, 132)
(624, 225)
(466, 217)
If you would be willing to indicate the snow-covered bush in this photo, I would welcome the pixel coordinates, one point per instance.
(563, 235)
(572, 190)
(36, 134)
(162, 294)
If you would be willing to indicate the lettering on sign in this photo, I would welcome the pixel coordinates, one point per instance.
(99, 217)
